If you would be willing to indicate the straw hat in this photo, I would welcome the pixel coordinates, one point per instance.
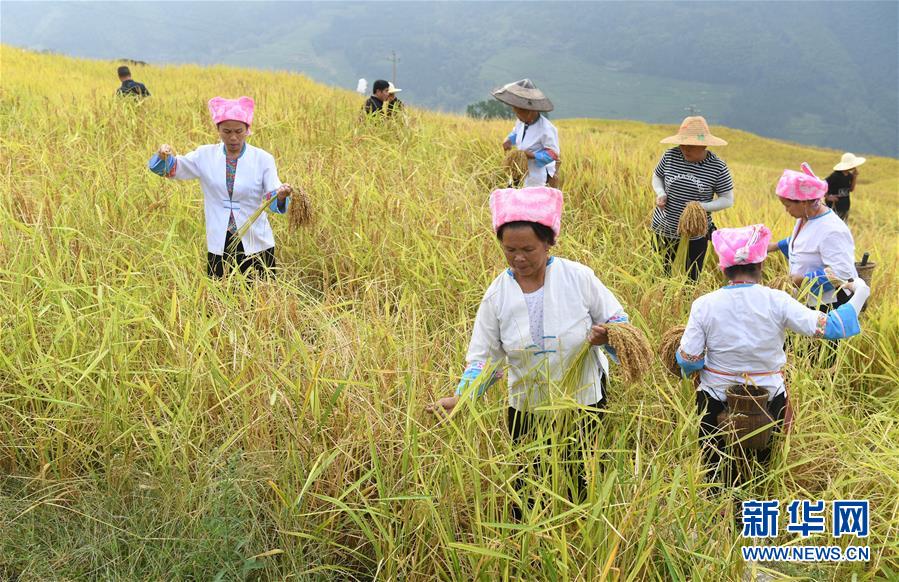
(391, 88)
(524, 95)
(849, 161)
(694, 131)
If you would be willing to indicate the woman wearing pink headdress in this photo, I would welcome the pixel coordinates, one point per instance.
(231, 196)
(536, 315)
(735, 335)
(821, 247)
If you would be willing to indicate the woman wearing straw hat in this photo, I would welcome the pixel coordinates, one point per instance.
(820, 246)
(689, 173)
(538, 315)
(841, 183)
(735, 335)
(533, 133)
(235, 178)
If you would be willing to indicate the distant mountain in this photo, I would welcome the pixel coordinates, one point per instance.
(822, 73)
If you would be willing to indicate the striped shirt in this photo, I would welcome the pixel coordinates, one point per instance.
(685, 182)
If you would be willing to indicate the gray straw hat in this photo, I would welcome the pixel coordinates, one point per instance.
(524, 95)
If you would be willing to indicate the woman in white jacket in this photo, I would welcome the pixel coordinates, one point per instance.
(235, 178)
(537, 315)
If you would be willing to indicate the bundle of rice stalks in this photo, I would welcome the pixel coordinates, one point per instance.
(300, 211)
(693, 221)
(669, 346)
(515, 166)
(633, 349)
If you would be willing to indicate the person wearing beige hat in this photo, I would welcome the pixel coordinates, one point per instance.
(533, 133)
(689, 173)
(841, 183)
(392, 104)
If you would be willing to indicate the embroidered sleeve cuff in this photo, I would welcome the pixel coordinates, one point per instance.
(471, 375)
(545, 157)
(820, 282)
(620, 317)
(689, 364)
(165, 168)
(841, 323)
(783, 246)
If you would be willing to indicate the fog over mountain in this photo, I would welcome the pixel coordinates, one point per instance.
(821, 73)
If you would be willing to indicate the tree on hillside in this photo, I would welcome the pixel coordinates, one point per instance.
(489, 109)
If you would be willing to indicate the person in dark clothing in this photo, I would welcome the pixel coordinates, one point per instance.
(392, 105)
(841, 183)
(379, 95)
(129, 85)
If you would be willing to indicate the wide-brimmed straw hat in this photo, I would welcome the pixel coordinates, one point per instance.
(849, 161)
(694, 131)
(524, 95)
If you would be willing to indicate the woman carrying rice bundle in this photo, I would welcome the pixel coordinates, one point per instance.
(533, 134)
(735, 335)
(537, 316)
(820, 240)
(236, 178)
(689, 173)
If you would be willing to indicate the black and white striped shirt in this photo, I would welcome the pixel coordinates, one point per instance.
(685, 182)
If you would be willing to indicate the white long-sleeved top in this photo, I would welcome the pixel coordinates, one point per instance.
(256, 176)
(823, 241)
(740, 329)
(574, 300)
(542, 139)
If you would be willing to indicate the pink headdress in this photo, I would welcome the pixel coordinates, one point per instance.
(231, 110)
(804, 185)
(741, 246)
(542, 205)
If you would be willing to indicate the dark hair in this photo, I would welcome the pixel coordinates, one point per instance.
(124, 71)
(543, 232)
(751, 269)
(380, 85)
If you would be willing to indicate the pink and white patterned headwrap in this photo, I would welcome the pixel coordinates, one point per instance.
(231, 110)
(542, 205)
(804, 185)
(741, 246)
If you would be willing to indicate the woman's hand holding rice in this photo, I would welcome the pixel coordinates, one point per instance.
(284, 190)
(443, 405)
(598, 336)
(165, 151)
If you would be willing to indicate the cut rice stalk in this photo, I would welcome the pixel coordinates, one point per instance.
(632, 348)
(668, 348)
(515, 166)
(693, 221)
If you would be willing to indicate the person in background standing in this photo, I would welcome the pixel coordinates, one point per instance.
(533, 133)
(688, 173)
(379, 94)
(393, 104)
(129, 85)
(841, 183)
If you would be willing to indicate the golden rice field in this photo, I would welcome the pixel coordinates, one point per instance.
(156, 425)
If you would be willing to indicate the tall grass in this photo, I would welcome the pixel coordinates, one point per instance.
(155, 424)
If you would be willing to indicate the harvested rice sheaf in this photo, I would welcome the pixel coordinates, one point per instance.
(300, 211)
(693, 221)
(632, 348)
(515, 165)
(668, 348)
